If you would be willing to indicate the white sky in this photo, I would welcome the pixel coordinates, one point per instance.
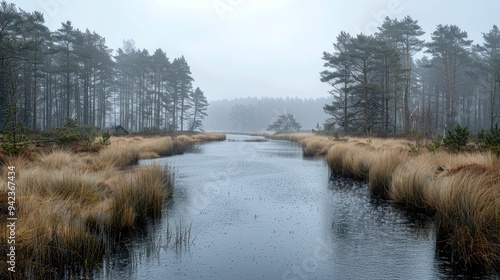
(240, 48)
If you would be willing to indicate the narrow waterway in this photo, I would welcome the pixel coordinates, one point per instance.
(259, 210)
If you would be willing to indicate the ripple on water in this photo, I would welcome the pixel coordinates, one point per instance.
(260, 211)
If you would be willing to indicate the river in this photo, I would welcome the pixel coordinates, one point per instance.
(259, 210)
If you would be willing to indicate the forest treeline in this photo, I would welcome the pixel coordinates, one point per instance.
(48, 77)
(253, 114)
(380, 86)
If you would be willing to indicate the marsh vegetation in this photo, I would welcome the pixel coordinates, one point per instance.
(459, 188)
(72, 208)
(262, 210)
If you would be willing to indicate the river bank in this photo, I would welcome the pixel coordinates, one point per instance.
(67, 210)
(259, 210)
(460, 191)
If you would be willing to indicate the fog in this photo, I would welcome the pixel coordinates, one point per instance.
(240, 48)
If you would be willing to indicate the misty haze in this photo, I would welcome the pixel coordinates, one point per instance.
(249, 139)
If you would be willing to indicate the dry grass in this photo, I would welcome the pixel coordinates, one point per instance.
(295, 137)
(316, 145)
(183, 143)
(69, 206)
(115, 156)
(462, 191)
(383, 169)
(156, 147)
(312, 144)
(66, 184)
(351, 160)
(6, 161)
(161, 146)
(411, 185)
(139, 195)
(413, 181)
(51, 234)
(208, 136)
(58, 159)
(335, 159)
(468, 214)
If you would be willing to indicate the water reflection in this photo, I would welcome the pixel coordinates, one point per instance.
(260, 211)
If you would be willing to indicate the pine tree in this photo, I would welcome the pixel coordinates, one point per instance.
(340, 79)
(491, 54)
(65, 40)
(403, 35)
(450, 48)
(284, 124)
(199, 107)
(182, 85)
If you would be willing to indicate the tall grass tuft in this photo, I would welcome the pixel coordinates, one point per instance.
(116, 156)
(52, 241)
(19, 162)
(350, 160)
(295, 137)
(58, 159)
(157, 183)
(139, 195)
(161, 146)
(315, 146)
(411, 183)
(182, 143)
(460, 190)
(178, 236)
(208, 136)
(468, 214)
(70, 207)
(335, 159)
(381, 172)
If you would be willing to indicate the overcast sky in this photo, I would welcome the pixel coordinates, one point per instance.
(240, 48)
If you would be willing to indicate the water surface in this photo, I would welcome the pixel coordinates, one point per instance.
(259, 210)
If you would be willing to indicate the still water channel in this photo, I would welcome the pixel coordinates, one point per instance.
(259, 210)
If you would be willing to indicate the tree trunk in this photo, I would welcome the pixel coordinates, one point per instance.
(68, 95)
(34, 94)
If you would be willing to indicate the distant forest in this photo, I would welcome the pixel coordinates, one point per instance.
(48, 78)
(379, 84)
(256, 114)
(380, 87)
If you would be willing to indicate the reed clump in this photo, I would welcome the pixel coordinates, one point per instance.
(350, 160)
(412, 183)
(70, 207)
(468, 214)
(385, 162)
(115, 156)
(178, 237)
(294, 137)
(313, 146)
(161, 146)
(183, 143)
(17, 161)
(208, 137)
(156, 147)
(460, 190)
(52, 239)
(139, 195)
